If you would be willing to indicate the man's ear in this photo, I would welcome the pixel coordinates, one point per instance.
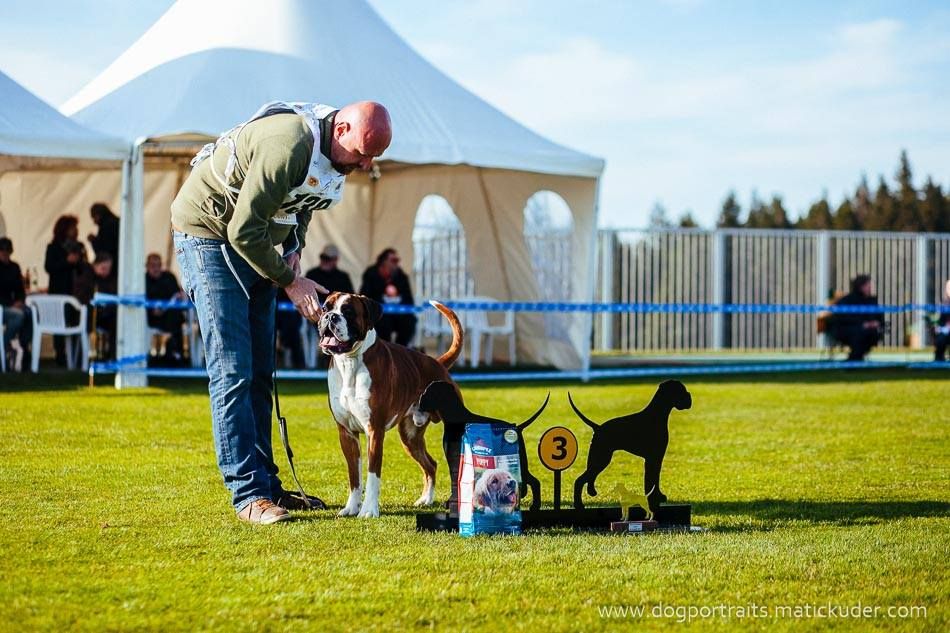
(373, 308)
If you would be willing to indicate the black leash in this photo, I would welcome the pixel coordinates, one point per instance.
(282, 422)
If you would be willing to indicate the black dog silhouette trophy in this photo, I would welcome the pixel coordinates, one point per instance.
(444, 401)
(645, 434)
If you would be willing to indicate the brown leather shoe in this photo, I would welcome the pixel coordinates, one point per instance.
(293, 501)
(263, 512)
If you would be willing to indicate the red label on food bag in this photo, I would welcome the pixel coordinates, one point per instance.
(480, 461)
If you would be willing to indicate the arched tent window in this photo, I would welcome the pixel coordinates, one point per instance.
(440, 260)
(548, 233)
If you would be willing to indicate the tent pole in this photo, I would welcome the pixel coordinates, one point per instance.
(591, 281)
(131, 336)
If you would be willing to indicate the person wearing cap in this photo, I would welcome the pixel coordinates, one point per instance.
(17, 320)
(328, 275)
(239, 224)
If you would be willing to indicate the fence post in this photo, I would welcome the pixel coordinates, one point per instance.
(822, 271)
(920, 289)
(718, 287)
(607, 244)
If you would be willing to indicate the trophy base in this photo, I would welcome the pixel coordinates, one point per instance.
(633, 526)
(667, 517)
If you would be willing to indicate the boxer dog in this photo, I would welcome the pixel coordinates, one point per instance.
(374, 385)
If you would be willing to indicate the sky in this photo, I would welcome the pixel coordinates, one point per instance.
(685, 99)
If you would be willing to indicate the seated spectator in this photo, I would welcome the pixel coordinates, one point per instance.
(61, 267)
(161, 285)
(17, 320)
(942, 328)
(328, 275)
(288, 332)
(102, 318)
(333, 279)
(387, 283)
(860, 331)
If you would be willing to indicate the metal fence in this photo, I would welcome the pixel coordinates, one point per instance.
(760, 267)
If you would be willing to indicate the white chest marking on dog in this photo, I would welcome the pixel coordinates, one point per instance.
(350, 382)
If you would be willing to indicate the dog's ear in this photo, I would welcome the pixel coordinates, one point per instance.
(373, 308)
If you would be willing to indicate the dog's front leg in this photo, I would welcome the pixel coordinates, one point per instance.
(374, 450)
(351, 451)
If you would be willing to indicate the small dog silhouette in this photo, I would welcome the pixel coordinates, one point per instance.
(628, 499)
(444, 400)
(645, 434)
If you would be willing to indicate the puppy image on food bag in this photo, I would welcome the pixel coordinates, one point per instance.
(496, 492)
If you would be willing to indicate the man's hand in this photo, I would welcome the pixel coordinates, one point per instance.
(293, 260)
(302, 292)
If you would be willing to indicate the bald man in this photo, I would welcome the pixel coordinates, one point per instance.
(239, 223)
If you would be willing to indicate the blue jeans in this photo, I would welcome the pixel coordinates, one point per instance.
(235, 309)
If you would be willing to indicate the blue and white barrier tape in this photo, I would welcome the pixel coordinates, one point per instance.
(133, 365)
(548, 306)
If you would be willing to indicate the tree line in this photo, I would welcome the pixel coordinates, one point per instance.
(897, 207)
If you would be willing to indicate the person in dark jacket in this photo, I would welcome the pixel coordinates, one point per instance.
(386, 283)
(161, 285)
(17, 320)
(90, 279)
(860, 331)
(61, 268)
(942, 328)
(107, 239)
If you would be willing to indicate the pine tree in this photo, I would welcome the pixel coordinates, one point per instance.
(819, 216)
(845, 218)
(883, 212)
(861, 205)
(729, 217)
(907, 212)
(935, 209)
(777, 215)
(687, 221)
(659, 218)
(758, 214)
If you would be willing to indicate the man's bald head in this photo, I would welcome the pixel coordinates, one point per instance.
(361, 132)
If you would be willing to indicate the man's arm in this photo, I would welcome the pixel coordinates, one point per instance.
(266, 183)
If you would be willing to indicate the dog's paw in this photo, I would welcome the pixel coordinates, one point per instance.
(426, 499)
(369, 511)
(352, 507)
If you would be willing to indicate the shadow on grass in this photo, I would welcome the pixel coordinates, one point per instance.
(843, 513)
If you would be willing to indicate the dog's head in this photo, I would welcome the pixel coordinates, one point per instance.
(346, 320)
(439, 396)
(674, 392)
(496, 491)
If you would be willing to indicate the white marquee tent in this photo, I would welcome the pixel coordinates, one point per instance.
(208, 64)
(34, 136)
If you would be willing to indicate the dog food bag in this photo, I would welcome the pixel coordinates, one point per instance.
(489, 480)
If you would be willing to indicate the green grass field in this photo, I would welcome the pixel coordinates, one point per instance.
(814, 489)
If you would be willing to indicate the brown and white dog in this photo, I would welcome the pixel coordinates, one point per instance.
(375, 385)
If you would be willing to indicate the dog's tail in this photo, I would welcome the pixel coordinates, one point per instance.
(583, 417)
(455, 349)
(527, 423)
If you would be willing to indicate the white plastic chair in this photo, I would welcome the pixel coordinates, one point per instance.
(477, 325)
(49, 317)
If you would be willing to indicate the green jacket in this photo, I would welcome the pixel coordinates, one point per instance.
(273, 156)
